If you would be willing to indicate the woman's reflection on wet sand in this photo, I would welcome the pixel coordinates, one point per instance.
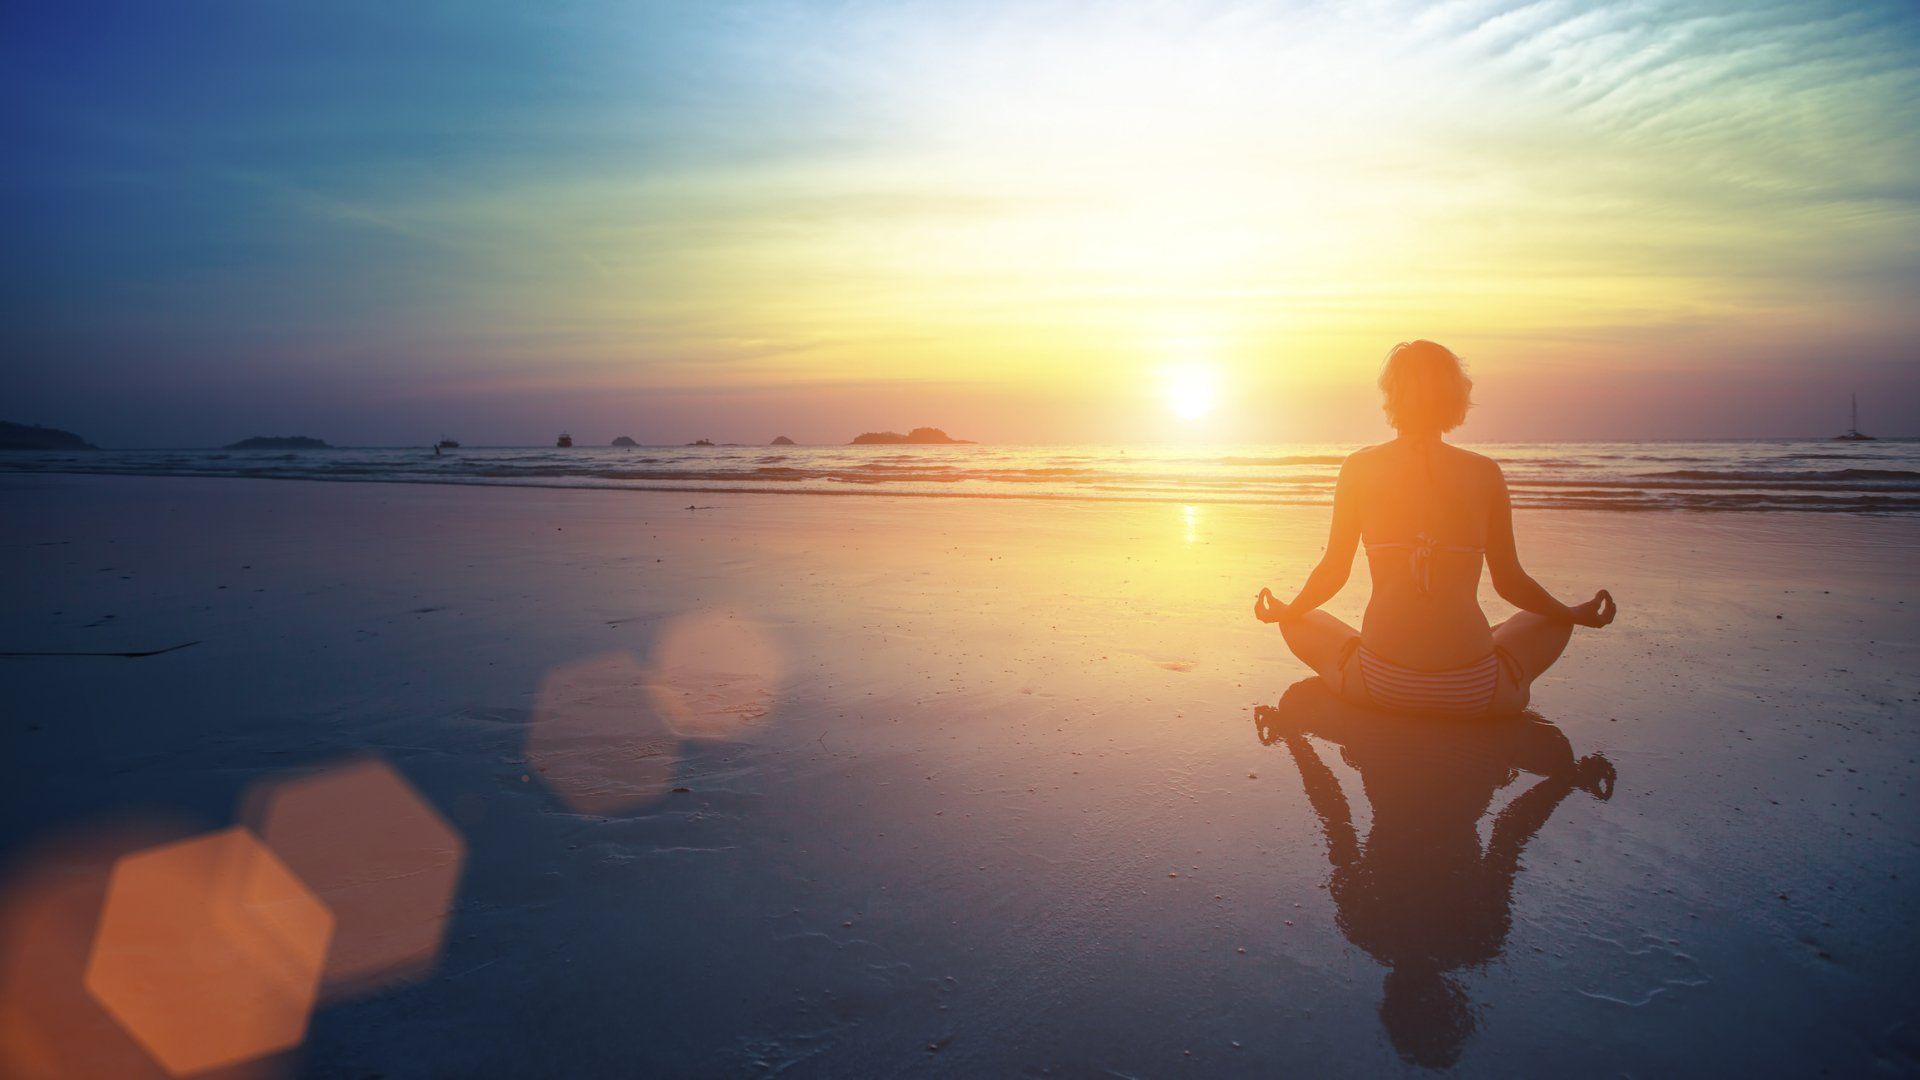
(1419, 893)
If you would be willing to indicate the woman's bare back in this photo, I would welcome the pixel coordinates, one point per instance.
(1423, 509)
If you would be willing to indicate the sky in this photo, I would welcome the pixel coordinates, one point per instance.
(1022, 221)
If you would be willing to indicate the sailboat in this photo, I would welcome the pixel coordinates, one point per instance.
(1854, 434)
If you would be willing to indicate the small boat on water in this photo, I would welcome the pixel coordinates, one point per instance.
(1854, 434)
(447, 444)
(565, 442)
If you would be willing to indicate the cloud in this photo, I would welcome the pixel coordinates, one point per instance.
(802, 194)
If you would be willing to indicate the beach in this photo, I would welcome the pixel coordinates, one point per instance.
(748, 783)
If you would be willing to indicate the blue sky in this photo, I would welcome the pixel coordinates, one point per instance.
(378, 223)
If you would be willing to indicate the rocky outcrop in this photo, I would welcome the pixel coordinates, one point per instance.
(625, 440)
(781, 440)
(35, 437)
(919, 435)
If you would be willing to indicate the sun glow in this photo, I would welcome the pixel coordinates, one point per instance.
(1193, 390)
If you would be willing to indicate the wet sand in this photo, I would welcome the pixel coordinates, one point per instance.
(984, 789)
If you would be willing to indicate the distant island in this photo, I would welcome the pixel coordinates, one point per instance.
(701, 442)
(35, 437)
(917, 435)
(625, 440)
(279, 442)
(781, 440)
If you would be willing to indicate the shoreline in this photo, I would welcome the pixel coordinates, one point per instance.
(1596, 506)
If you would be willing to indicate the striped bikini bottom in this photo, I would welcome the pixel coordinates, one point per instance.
(1464, 691)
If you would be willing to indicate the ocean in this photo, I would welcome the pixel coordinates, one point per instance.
(1774, 475)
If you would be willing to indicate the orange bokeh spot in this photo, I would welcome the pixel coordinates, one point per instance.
(380, 857)
(209, 951)
(50, 1026)
(596, 739)
(715, 673)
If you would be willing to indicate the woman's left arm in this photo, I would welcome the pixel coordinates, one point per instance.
(1515, 585)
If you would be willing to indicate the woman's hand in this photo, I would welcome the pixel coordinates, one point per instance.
(1594, 775)
(1596, 612)
(1267, 607)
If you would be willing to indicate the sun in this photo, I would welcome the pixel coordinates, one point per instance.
(1192, 390)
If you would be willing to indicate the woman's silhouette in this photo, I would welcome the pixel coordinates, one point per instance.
(1419, 893)
(1429, 514)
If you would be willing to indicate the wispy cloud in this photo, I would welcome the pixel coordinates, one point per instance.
(1015, 193)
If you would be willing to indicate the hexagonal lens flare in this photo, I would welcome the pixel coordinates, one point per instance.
(50, 1026)
(381, 858)
(209, 951)
(715, 674)
(596, 739)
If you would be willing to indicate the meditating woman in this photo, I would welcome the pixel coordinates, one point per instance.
(1430, 514)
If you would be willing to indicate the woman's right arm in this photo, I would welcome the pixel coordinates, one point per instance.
(1330, 575)
(1515, 585)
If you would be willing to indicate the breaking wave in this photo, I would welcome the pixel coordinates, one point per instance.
(1798, 476)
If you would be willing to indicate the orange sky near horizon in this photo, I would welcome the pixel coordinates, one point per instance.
(1011, 220)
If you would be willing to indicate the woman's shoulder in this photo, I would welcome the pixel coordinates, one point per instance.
(1378, 452)
(1482, 474)
(1480, 464)
(1361, 463)
(1367, 454)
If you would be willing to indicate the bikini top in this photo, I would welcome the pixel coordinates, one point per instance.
(1420, 556)
(1421, 548)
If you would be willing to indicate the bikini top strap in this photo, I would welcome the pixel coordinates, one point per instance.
(1421, 548)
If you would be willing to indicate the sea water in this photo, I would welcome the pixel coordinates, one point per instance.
(1782, 475)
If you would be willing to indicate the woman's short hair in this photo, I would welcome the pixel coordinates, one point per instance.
(1425, 387)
